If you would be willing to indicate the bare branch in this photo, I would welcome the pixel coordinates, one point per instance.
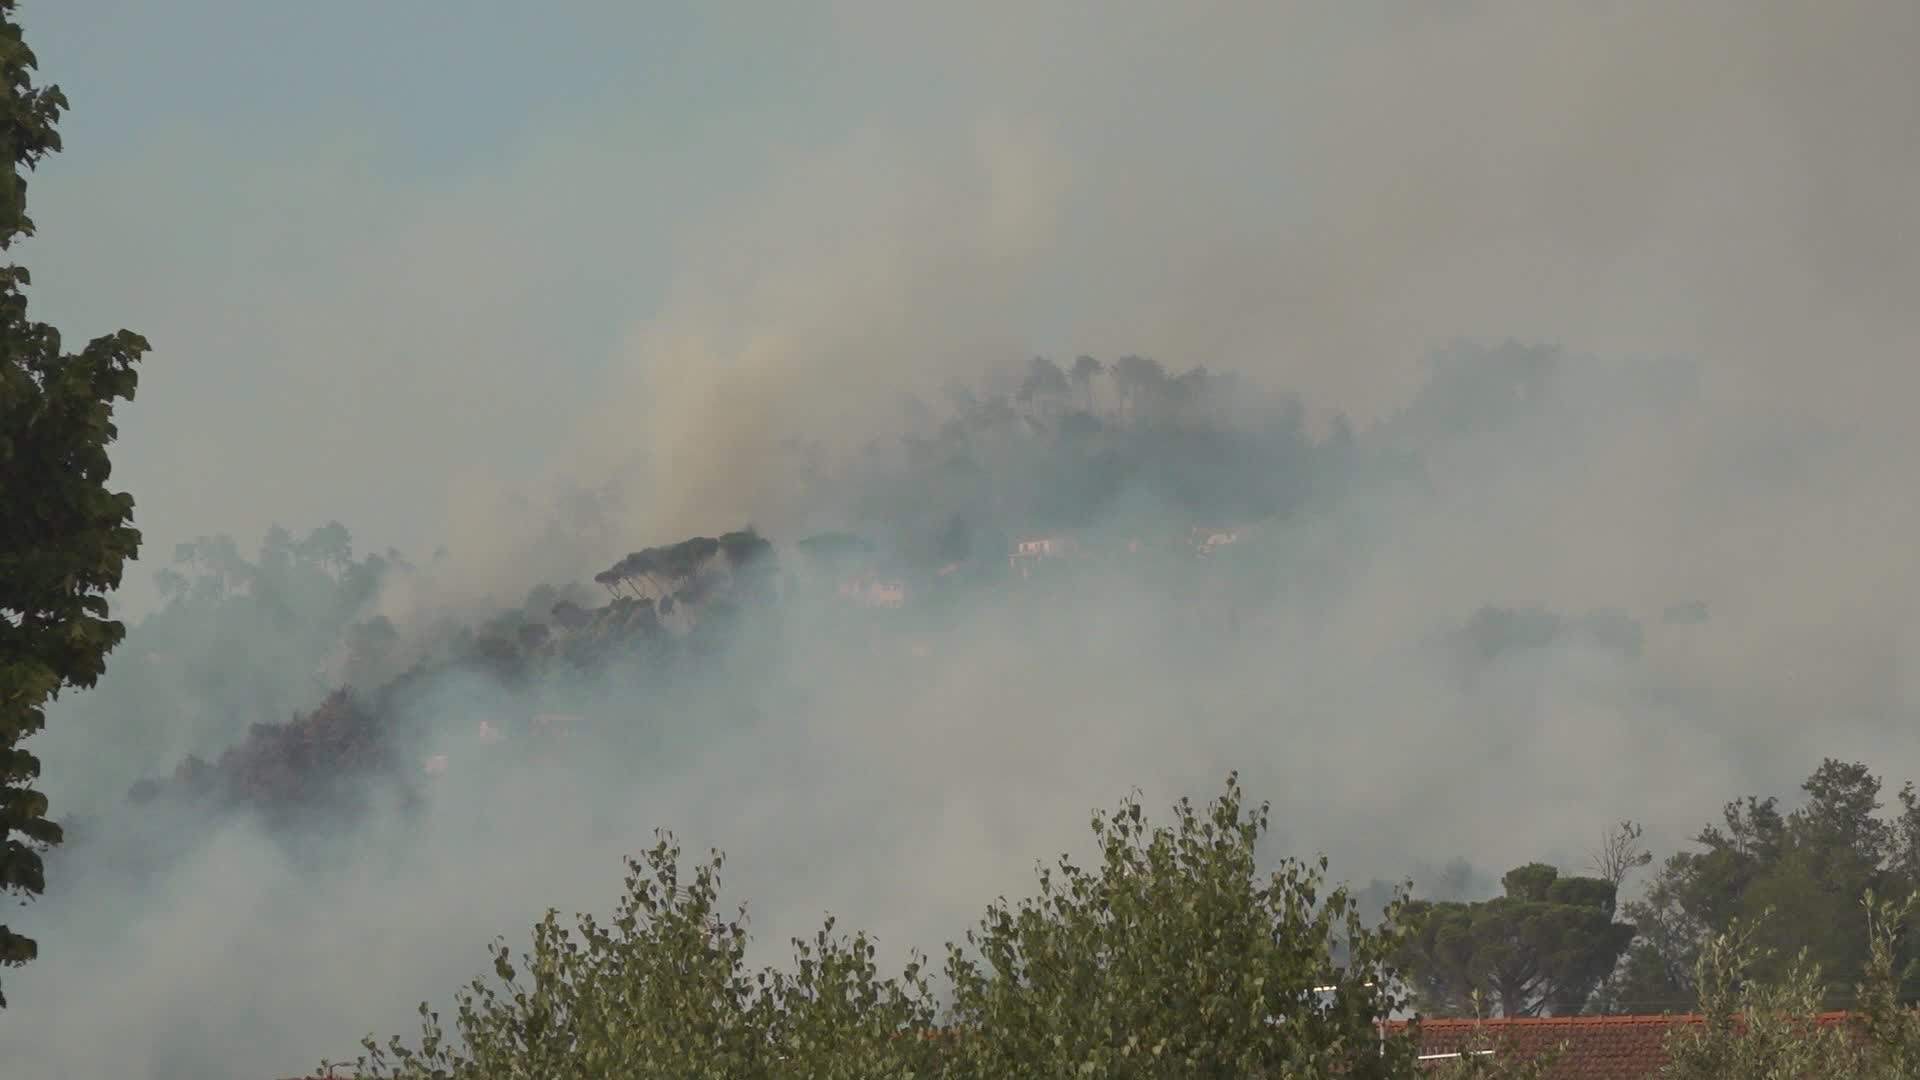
(1619, 853)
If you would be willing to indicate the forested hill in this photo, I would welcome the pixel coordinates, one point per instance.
(263, 674)
(1061, 531)
(268, 678)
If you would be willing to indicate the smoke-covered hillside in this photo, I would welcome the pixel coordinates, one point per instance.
(1039, 597)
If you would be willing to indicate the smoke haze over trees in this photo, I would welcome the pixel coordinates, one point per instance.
(375, 730)
(934, 425)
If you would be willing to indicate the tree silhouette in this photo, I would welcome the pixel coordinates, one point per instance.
(1620, 853)
(1045, 385)
(1137, 382)
(1085, 371)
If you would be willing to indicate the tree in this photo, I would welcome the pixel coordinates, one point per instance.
(64, 536)
(215, 565)
(1178, 958)
(665, 570)
(330, 546)
(1044, 384)
(315, 764)
(1543, 947)
(1137, 381)
(1904, 858)
(1620, 854)
(1085, 370)
(1811, 867)
(677, 573)
(369, 645)
(1883, 999)
(1753, 1028)
(752, 564)
(1756, 1025)
(663, 990)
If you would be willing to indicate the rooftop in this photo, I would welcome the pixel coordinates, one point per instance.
(1596, 1047)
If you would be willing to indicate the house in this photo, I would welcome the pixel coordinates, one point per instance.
(1034, 548)
(1206, 541)
(1041, 547)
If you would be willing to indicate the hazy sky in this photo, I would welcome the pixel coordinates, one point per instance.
(395, 257)
(400, 259)
(381, 246)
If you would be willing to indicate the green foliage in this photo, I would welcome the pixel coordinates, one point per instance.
(663, 990)
(1176, 958)
(1543, 947)
(1754, 1029)
(1770, 1028)
(1811, 867)
(1885, 1011)
(64, 536)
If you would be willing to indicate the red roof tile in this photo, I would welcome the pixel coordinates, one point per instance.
(1590, 1047)
(1595, 1047)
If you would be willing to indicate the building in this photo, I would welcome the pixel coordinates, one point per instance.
(1041, 547)
(1032, 549)
(1207, 541)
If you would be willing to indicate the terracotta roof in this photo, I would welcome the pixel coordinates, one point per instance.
(1591, 1047)
(1595, 1047)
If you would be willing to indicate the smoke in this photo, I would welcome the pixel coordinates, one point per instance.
(1311, 198)
(869, 275)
